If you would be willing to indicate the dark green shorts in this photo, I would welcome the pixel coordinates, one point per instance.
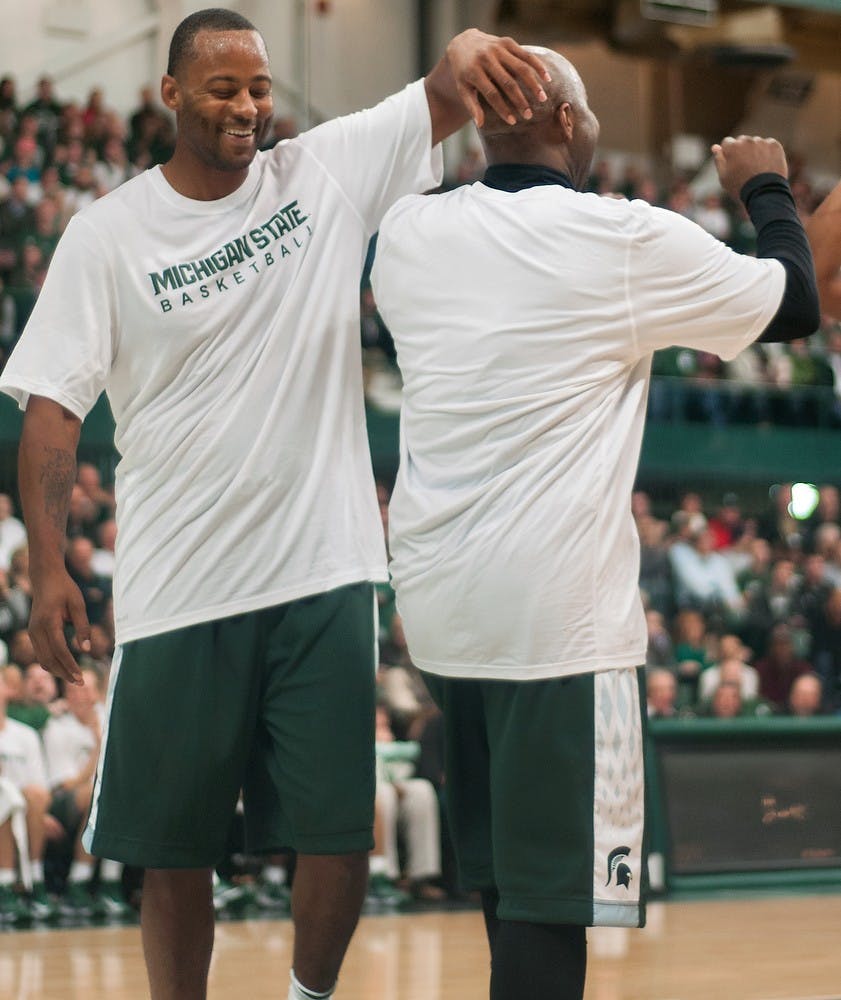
(278, 703)
(545, 794)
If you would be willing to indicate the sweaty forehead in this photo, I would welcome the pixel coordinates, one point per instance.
(218, 52)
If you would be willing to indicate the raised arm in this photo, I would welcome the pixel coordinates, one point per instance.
(46, 473)
(824, 231)
(476, 63)
(755, 170)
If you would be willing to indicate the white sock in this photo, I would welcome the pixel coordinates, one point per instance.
(80, 871)
(377, 864)
(111, 871)
(37, 869)
(298, 992)
(7, 876)
(275, 874)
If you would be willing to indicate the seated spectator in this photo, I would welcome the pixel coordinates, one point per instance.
(26, 161)
(99, 656)
(113, 168)
(828, 511)
(731, 671)
(770, 602)
(726, 525)
(691, 653)
(812, 591)
(704, 579)
(96, 589)
(47, 109)
(27, 280)
(47, 227)
(805, 698)
(20, 586)
(71, 743)
(38, 701)
(826, 650)
(712, 216)
(17, 220)
(777, 525)
(11, 619)
(102, 561)
(83, 517)
(22, 763)
(727, 703)
(12, 531)
(88, 477)
(779, 666)
(661, 690)
(660, 652)
(21, 650)
(408, 805)
(402, 688)
(655, 568)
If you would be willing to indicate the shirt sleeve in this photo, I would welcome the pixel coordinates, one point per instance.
(66, 349)
(379, 155)
(687, 289)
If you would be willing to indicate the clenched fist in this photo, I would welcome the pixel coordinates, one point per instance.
(737, 160)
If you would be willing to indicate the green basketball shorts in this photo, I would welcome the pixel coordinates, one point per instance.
(277, 704)
(545, 794)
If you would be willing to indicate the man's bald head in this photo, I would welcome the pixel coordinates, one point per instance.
(562, 131)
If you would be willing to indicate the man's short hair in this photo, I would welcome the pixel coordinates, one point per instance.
(210, 19)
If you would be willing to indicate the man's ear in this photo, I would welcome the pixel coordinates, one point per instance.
(566, 119)
(171, 93)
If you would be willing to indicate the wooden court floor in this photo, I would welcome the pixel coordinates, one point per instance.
(779, 948)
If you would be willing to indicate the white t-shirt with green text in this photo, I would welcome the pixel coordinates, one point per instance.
(226, 335)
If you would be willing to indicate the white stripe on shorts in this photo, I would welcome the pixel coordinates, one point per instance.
(618, 799)
(87, 836)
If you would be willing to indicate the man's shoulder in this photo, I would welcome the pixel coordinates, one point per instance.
(411, 208)
(129, 197)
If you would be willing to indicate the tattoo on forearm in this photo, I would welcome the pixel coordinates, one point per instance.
(58, 473)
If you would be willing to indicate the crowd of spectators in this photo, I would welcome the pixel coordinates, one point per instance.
(743, 608)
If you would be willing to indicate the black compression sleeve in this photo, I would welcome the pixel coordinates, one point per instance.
(780, 234)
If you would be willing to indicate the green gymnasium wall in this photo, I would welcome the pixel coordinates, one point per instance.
(681, 454)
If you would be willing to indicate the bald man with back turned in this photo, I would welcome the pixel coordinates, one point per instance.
(525, 315)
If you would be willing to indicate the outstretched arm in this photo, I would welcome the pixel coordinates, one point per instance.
(824, 231)
(476, 63)
(46, 473)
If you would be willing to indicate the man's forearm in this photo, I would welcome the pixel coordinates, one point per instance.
(46, 474)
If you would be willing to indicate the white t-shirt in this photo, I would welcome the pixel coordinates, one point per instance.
(226, 334)
(68, 745)
(21, 755)
(525, 325)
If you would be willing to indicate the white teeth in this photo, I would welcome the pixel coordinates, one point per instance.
(240, 134)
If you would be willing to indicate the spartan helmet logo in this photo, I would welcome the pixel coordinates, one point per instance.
(615, 865)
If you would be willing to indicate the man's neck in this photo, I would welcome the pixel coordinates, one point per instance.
(514, 177)
(201, 184)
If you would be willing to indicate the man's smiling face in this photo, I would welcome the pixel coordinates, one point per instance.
(225, 107)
